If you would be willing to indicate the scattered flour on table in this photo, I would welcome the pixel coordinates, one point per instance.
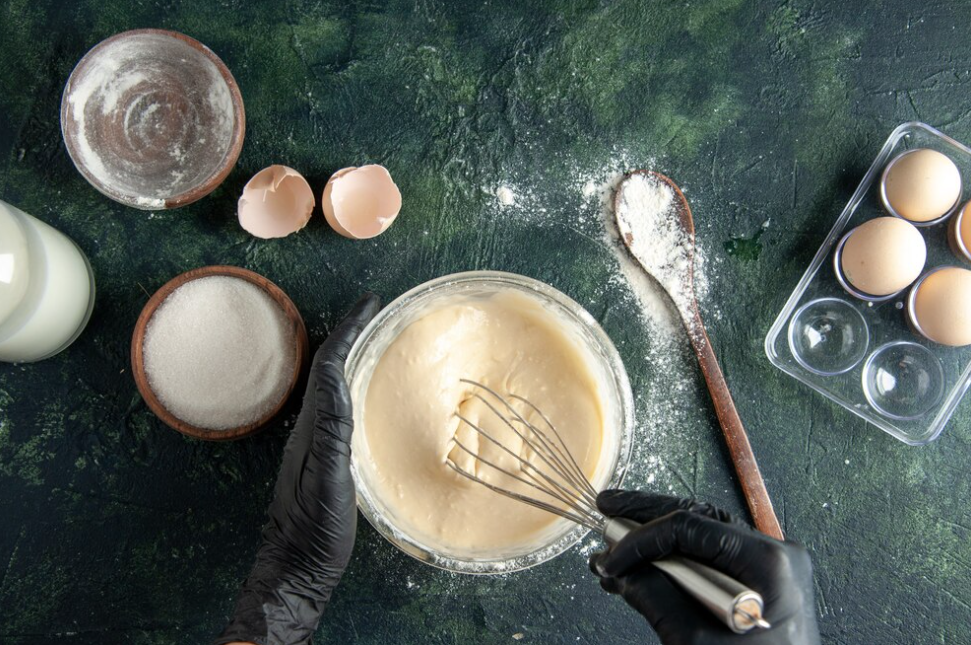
(667, 401)
(670, 400)
(517, 199)
(505, 195)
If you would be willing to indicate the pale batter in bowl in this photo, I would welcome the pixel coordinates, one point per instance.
(507, 342)
(514, 335)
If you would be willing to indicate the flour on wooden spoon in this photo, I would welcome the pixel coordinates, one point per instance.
(647, 221)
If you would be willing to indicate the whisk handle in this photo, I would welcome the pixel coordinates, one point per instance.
(617, 528)
(730, 601)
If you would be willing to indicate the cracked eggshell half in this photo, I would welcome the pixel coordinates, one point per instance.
(361, 203)
(276, 202)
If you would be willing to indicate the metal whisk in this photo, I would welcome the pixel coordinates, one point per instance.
(555, 474)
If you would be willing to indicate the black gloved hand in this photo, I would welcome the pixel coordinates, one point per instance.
(780, 571)
(313, 517)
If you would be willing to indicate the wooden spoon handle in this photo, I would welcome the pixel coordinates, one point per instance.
(739, 447)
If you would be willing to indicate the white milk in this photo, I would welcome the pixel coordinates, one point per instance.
(46, 288)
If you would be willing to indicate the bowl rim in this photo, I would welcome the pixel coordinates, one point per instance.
(138, 359)
(213, 180)
(575, 534)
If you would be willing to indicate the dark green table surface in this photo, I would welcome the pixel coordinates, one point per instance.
(115, 529)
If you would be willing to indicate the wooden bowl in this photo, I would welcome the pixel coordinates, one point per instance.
(152, 118)
(138, 363)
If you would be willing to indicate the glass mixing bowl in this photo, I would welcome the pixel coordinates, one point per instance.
(605, 364)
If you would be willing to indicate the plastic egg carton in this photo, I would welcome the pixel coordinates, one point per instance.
(864, 355)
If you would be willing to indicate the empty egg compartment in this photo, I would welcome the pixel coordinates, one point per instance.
(859, 350)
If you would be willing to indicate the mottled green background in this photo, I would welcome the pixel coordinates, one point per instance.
(115, 529)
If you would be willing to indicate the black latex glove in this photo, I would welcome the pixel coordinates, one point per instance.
(313, 518)
(780, 571)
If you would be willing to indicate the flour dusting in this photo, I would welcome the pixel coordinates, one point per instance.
(667, 402)
(670, 401)
(648, 221)
(138, 112)
(505, 195)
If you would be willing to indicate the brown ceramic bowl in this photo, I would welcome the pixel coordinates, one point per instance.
(302, 350)
(152, 118)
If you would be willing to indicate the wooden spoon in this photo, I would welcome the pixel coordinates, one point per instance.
(679, 286)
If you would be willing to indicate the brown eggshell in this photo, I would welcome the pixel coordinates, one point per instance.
(276, 202)
(361, 203)
(328, 206)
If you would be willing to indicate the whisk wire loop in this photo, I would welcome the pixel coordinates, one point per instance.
(563, 465)
(560, 477)
(583, 521)
(581, 477)
(540, 481)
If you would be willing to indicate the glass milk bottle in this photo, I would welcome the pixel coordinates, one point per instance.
(46, 288)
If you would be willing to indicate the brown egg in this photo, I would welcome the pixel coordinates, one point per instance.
(941, 306)
(961, 231)
(883, 256)
(361, 203)
(921, 185)
(276, 202)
